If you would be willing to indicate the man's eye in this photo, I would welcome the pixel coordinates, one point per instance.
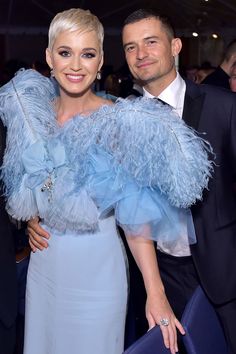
(151, 42)
(130, 48)
(64, 53)
(88, 55)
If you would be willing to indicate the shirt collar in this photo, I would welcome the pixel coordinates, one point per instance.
(173, 94)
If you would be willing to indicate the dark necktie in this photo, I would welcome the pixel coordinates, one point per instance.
(160, 100)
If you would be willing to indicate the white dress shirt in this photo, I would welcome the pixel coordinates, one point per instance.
(174, 96)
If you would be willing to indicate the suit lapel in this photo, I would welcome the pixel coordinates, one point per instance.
(193, 103)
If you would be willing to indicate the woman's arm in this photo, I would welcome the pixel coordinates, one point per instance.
(157, 305)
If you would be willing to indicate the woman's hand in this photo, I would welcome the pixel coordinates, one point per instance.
(37, 235)
(158, 310)
(157, 305)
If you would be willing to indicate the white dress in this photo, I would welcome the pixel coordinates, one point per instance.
(76, 294)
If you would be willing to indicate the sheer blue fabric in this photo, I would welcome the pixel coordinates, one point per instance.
(140, 211)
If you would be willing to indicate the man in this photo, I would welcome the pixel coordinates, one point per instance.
(8, 298)
(220, 76)
(150, 49)
(232, 78)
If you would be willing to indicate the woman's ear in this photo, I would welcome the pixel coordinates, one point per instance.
(49, 58)
(101, 62)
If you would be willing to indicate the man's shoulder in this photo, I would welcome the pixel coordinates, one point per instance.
(209, 90)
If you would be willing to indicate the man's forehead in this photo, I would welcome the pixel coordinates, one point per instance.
(143, 23)
(145, 28)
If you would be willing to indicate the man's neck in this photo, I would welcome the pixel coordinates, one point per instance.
(156, 87)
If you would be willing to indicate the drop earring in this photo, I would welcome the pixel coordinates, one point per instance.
(52, 72)
(99, 75)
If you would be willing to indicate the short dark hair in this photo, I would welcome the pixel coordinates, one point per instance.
(142, 14)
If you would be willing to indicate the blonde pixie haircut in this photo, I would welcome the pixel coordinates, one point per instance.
(75, 20)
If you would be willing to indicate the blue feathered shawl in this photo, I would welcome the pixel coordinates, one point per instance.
(136, 157)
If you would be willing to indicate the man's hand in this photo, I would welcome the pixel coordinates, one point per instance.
(37, 235)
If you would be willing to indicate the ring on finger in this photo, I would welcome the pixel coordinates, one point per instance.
(164, 322)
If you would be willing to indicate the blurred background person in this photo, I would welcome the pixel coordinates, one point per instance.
(8, 297)
(220, 77)
(232, 77)
(203, 71)
(41, 67)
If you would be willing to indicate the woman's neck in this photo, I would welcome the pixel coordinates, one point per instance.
(68, 106)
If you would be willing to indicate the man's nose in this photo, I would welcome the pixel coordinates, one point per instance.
(142, 52)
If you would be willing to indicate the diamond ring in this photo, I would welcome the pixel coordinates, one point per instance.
(164, 322)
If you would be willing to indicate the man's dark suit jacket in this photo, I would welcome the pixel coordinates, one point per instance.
(212, 110)
(7, 258)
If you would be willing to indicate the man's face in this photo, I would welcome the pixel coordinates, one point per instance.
(150, 52)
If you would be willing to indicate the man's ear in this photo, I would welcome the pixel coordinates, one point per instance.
(176, 46)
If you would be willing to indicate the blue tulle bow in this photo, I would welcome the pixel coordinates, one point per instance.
(41, 160)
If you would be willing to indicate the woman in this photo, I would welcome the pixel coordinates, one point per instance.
(71, 160)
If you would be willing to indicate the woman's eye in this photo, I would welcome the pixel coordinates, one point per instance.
(64, 53)
(88, 55)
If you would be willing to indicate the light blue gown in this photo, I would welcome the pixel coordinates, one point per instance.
(77, 293)
(134, 164)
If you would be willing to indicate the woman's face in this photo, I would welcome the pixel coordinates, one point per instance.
(75, 58)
